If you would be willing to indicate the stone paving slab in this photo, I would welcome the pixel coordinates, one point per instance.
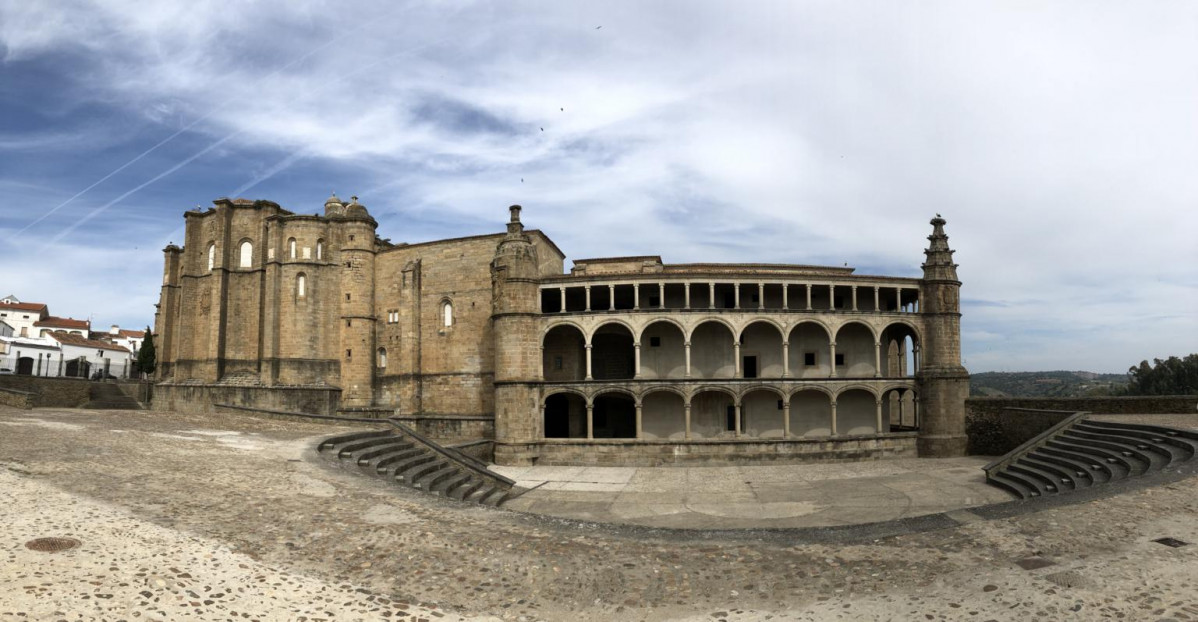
(773, 496)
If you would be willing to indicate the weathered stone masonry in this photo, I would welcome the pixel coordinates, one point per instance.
(622, 361)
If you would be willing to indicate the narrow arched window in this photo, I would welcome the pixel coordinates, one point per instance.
(247, 254)
(447, 313)
(301, 285)
(382, 358)
(319, 249)
(291, 248)
(211, 255)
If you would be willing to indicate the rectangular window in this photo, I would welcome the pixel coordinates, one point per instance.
(779, 404)
(730, 418)
(347, 296)
(349, 322)
(839, 360)
(809, 359)
(557, 362)
(349, 354)
(655, 342)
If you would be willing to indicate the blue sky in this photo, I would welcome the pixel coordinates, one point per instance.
(1058, 139)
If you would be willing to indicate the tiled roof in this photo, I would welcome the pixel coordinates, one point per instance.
(24, 306)
(63, 322)
(81, 341)
(133, 334)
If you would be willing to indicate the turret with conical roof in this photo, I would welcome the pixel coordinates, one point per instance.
(944, 382)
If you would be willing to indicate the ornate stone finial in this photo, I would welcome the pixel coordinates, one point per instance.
(939, 262)
(514, 226)
(515, 213)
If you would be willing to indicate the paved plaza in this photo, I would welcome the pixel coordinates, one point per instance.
(222, 517)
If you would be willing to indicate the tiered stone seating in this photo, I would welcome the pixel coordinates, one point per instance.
(1081, 453)
(419, 463)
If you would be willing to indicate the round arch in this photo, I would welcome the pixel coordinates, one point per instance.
(872, 333)
(611, 322)
(663, 414)
(811, 412)
(762, 412)
(713, 388)
(610, 390)
(564, 415)
(707, 320)
(764, 387)
(900, 408)
(827, 329)
(565, 390)
(665, 389)
(663, 349)
(613, 351)
(668, 320)
(856, 411)
(563, 353)
(713, 353)
(855, 387)
(816, 389)
(782, 332)
(915, 330)
(713, 411)
(613, 414)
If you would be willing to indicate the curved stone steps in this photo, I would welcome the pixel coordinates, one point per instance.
(416, 462)
(1079, 453)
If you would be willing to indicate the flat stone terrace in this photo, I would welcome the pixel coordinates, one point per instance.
(221, 517)
(745, 497)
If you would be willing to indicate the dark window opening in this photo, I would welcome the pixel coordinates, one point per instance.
(351, 238)
(839, 359)
(655, 342)
(349, 354)
(729, 300)
(349, 322)
(347, 296)
(755, 298)
(654, 301)
(750, 367)
(779, 404)
(730, 416)
(809, 359)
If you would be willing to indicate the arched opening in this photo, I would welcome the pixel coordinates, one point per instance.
(614, 416)
(291, 248)
(78, 368)
(761, 414)
(565, 416)
(382, 358)
(900, 344)
(663, 351)
(25, 366)
(712, 415)
(855, 351)
(447, 313)
(856, 412)
(246, 254)
(761, 351)
(319, 249)
(900, 410)
(663, 416)
(810, 413)
(712, 354)
(809, 351)
(211, 255)
(563, 354)
(301, 285)
(612, 354)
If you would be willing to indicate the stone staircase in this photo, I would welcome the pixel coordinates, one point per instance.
(1079, 453)
(402, 455)
(109, 396)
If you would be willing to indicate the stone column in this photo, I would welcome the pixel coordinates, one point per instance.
(686, 412)
(661, 295)
(877, 359)
(878, 428)
(736, 419)
(636, 296)
(832, 357)
(832, 297)
(591, 419)
(736, 357)
(877, 308)
(785, 297)
(611, 297)
(636, 349)
(833, 417)
(760, 296)
(563, 293)
(854, 297)
(785, 359)
(736, 295)
(639, 412)
(898, 299)
(589, 377)
(687, 346)
(785, 418)
(809, 297)
(687, 303)
(711, 295)
(915, 357)
(542, 365)
(588, 288)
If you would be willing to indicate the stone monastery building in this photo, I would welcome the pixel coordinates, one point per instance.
(623, 360)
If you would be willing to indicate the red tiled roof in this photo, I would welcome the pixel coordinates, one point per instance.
(81, 341)
(134, 334)
(24, 306)
(63, 322)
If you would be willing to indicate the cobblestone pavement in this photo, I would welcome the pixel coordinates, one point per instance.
(172, 509)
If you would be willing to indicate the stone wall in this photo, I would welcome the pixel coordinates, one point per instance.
(451, 429)
(50, 392)
(16, 399)
(201, 398)
(994, 429)
(647, 453)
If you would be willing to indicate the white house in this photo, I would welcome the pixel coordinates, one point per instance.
(83, 357)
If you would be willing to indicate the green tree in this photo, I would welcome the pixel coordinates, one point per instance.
(147, 358)
(1172, 376)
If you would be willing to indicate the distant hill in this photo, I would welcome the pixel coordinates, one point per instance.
(1044, 384)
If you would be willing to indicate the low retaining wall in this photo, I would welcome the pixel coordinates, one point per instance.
(629, 452)
(201, 398)
(450, 429)
(483, 450)
(16, 398)
(50, 392)
(996, 425)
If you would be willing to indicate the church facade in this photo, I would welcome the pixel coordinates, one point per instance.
(624, 360)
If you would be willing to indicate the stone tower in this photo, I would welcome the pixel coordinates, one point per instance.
(943, 381)
(515, 303)
(356, 230)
